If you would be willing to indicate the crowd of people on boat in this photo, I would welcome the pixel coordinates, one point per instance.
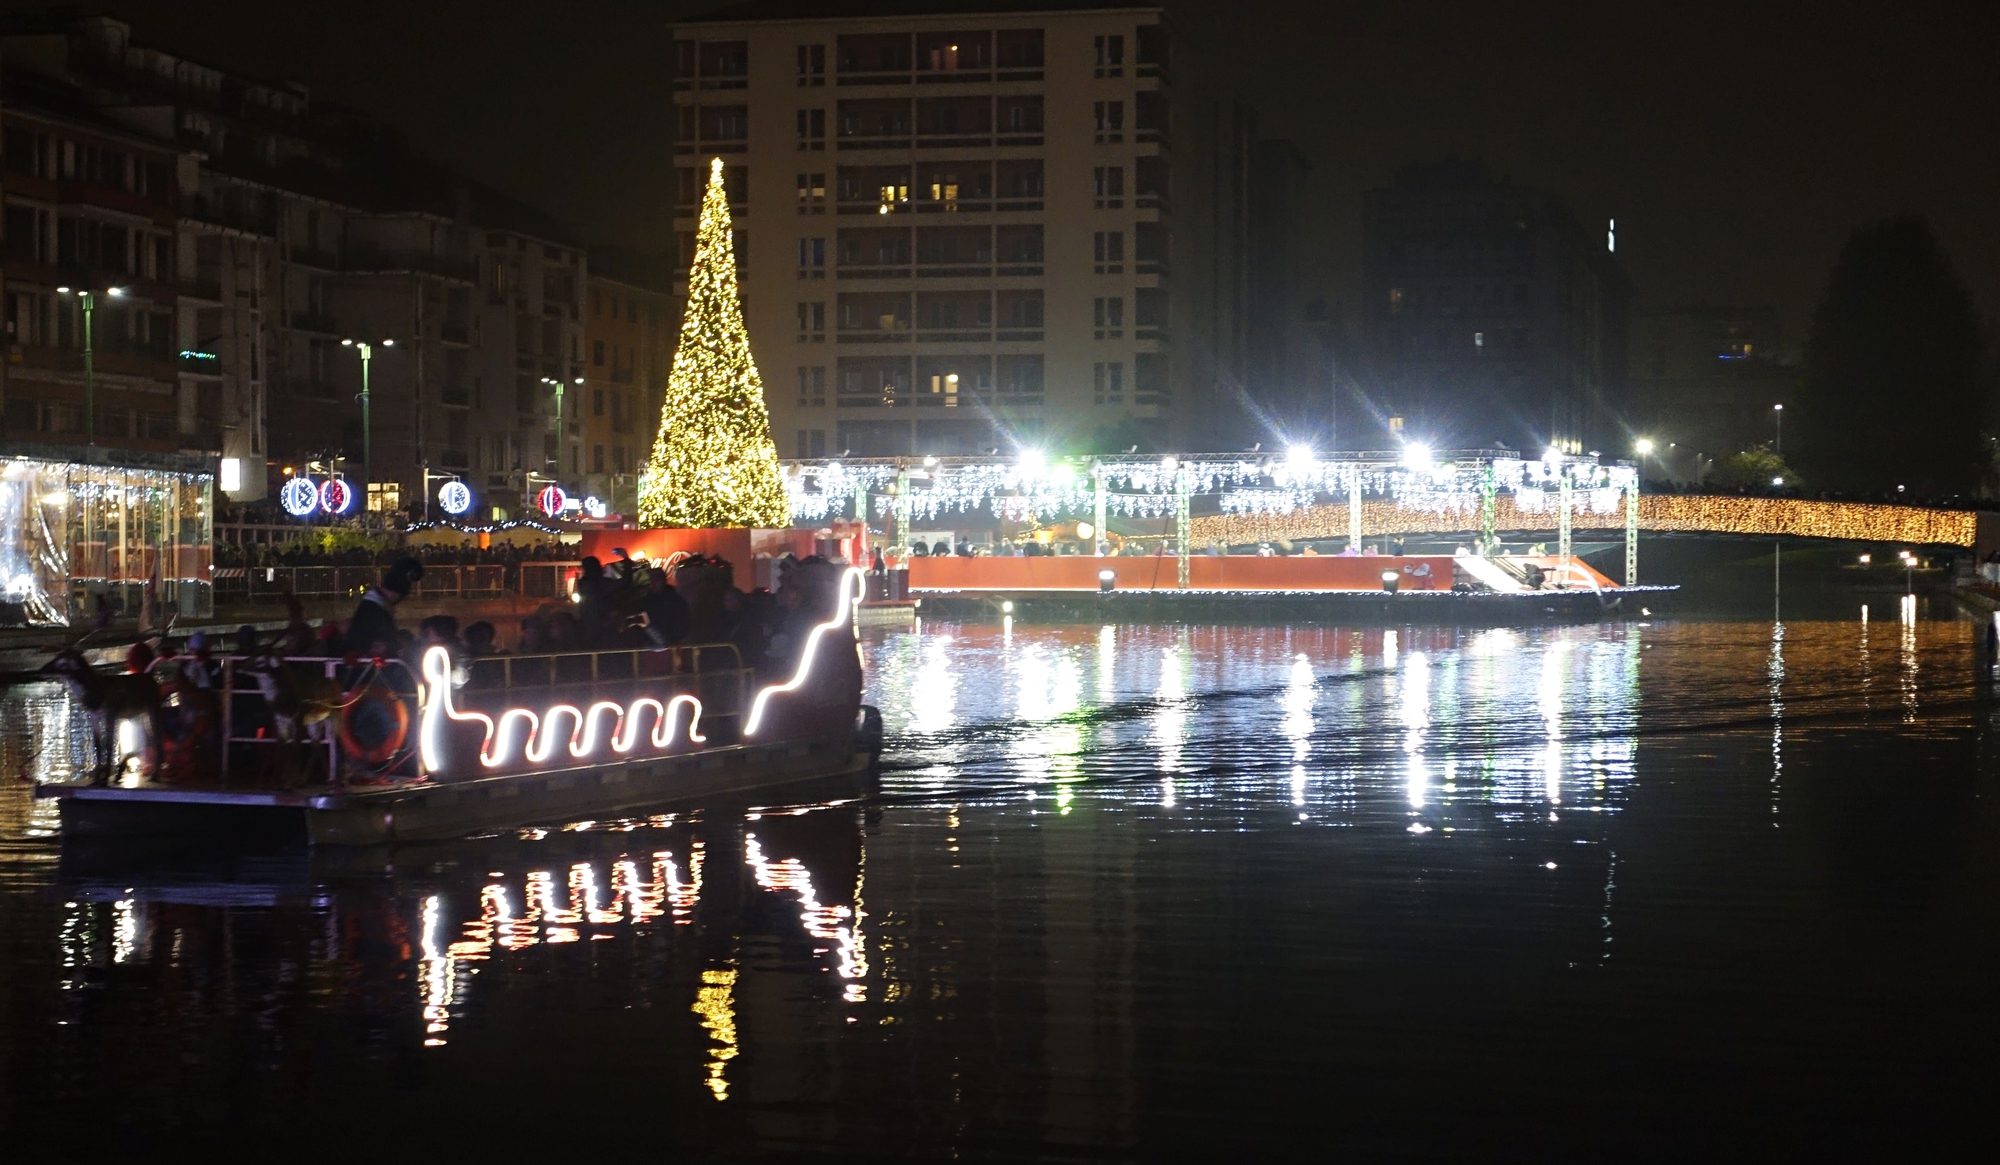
(300, 554)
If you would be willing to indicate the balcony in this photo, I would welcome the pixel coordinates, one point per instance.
(322, 258)
(368, 260)
(193, 363)
(305, 321)
(209, 290)
(250, 221)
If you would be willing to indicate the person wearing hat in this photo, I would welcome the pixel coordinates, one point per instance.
(372, 630)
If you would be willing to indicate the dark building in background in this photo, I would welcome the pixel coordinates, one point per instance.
(1704, 378)
(1491, 317)
(251, 231)
(1287, 379)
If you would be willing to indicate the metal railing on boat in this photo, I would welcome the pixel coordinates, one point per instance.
(714, 672)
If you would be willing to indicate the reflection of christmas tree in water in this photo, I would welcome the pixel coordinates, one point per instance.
(713, 462)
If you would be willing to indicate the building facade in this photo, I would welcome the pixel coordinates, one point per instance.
(1491, 316)
(1704, 379)
(291, 236)
(629, 341)
(994, 228)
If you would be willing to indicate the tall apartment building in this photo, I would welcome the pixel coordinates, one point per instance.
(1490, 315)
(288, 230)
(90, 211)
(985, 226)
(630, 335)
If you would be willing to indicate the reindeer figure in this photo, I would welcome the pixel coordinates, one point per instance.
(112, 701)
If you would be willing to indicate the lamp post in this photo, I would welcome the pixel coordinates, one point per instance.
(1778, 422)
(367, 430)
(89, 300)
(559, 385)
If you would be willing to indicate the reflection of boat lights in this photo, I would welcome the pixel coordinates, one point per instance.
(125, 932)
(715, 1003)
(436, 973)
(821, 921)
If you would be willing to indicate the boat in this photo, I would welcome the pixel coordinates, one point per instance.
(456, 748)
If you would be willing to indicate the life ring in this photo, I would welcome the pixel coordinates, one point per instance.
(374, 723)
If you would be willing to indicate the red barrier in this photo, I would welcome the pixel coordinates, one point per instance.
(1238, 572)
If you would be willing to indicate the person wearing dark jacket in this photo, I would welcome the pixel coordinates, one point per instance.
(372, 630)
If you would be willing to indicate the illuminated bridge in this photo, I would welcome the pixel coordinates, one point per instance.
(1235, 499)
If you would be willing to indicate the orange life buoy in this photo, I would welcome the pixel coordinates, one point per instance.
(374, 723)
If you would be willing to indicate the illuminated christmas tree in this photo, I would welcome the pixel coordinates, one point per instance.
(714, 463)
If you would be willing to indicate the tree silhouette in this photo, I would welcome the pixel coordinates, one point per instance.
(1891, 392)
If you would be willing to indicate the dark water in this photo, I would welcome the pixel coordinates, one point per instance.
(1690, 888)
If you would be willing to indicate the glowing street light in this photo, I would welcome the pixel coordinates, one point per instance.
(1644, 446)
(88, 299)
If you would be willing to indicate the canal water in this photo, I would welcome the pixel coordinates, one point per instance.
(1685, 886)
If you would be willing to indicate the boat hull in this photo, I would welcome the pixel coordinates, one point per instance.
(450, 809)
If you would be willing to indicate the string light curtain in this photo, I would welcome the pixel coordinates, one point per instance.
(713, 463)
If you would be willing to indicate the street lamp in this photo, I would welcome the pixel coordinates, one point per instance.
(559, 385)
(1778, 420)
(367, 431)
(89, 301)
(1644, 446)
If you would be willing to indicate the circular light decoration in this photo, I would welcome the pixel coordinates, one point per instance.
(552, 500)
(455, 497)
(595, 507)
(300, 497)
(335, 496)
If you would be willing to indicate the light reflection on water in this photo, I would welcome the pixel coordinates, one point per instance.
(1101, 861)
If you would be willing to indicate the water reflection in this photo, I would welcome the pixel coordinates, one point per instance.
(1102, 862)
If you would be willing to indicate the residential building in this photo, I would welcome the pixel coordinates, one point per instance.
(1705, 377)
(1492, 317)
(963, 227)
(630, 335)
(89, 245)
(295, 236)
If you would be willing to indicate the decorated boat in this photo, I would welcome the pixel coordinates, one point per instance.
(358, 752)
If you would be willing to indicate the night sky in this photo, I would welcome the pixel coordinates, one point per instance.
(1735, 145)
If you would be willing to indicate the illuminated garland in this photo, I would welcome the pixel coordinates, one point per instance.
(713, 464)
(1033, 487)
(1661, 513)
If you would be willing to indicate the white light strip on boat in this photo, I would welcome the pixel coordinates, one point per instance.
(853, 585)
(538, 737)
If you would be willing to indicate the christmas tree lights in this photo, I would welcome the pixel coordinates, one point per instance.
(713, 463)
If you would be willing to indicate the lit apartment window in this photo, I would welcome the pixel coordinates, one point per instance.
(812, 194)
(1111, 56)
(1108, 251)
(812, 65)
(1110, 121)
(812, 129)
(1110, 186)
(812, 258)
(1108, 315)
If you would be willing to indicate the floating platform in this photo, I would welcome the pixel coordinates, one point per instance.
(1351, 608)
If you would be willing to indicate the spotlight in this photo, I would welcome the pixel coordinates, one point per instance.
(1391, 579)
(1299, 455)
(1417, 455)
(1007, 607)
(1644, 446)
(1106, 580)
